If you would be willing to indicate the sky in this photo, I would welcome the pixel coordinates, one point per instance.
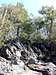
(32, 6)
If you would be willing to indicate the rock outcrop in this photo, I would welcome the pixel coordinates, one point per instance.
(16, 59)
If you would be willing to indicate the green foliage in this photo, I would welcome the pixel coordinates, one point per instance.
(12, 16)
(2, 42)
(39, 22)
(35, 37)
(15, 22)
(24, 36)
(49, 14)
(25, 30)
(27, 27)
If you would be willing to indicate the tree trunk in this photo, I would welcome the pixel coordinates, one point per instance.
(50, 30)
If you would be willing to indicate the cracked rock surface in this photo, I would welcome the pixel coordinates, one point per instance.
(15, 59)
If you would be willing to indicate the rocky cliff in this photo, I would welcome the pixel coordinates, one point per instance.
(16, 59)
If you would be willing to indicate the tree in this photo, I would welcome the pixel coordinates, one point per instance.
(10, 19)
(26, 30)
(49, 14)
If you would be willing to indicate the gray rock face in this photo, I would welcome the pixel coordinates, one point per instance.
(15, 59)
(8, 68)
(44, 68)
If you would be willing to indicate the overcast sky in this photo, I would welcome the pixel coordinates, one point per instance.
(31, 5)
